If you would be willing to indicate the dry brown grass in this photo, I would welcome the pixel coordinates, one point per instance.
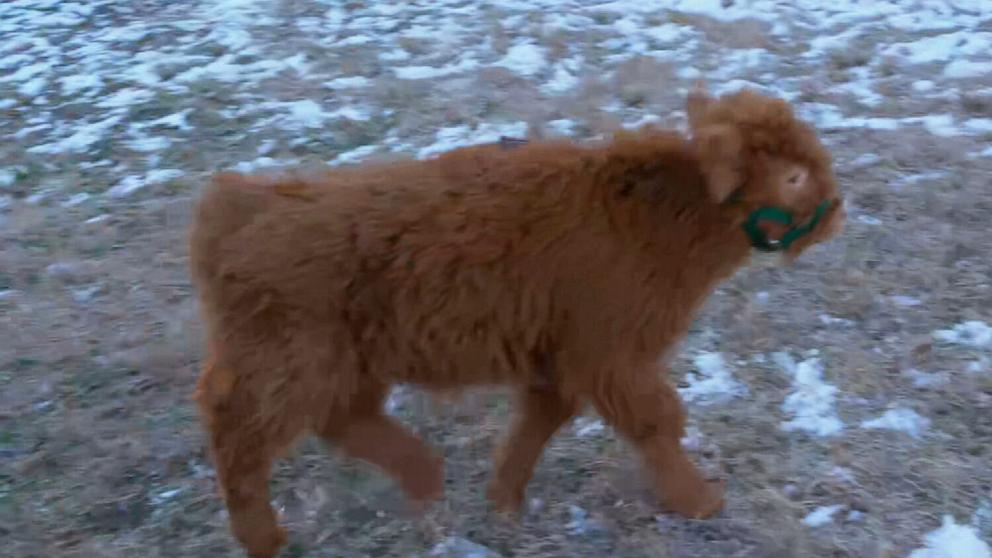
(100, 455)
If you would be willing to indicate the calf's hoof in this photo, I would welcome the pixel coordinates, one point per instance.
(263, 544)
(505, 501)
(424, 484)
(700, 502)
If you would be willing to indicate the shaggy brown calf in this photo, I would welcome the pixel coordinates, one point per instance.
(567, 272)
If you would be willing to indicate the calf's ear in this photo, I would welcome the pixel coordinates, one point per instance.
(720, 149)
(696, 104)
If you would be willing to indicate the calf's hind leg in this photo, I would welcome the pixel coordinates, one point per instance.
(243, 443)
(541, 412)
(363, 431)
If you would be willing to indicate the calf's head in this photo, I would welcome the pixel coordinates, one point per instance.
(758, 157)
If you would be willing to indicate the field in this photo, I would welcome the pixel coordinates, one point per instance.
(847, 400)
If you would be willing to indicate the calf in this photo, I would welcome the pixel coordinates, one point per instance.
(567, 272)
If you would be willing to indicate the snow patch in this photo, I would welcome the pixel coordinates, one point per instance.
(585, 427)
(951, 540)
(85, 136)
(125, 98)
(564, 77)
(525, 59)
(821, 516)
(72, 85)
(901, 420)
(354, 155)
(921, 177)
(812, 400)
(148, 145)
(7, 178)
(248, 167)
(76, 199)
(351, 82)
(165, 496)
(924, 380)
(457, 547)
(562, 126)
(452, 137)
(429, 72)
(943, 47)
(176, 120)
(712, 382)
(966, 69)
(972, 333)
(130, 184)
(906, 301)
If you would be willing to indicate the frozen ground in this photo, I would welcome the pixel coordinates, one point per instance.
(848, 401)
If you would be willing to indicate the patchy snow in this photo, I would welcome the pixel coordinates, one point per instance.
(351, 82)
(711, 382)
(165, 496)
(562, 126)
(148, 145)
(525, 59)
(130, 184)
(978, 125)
(395, 55)
(642, 121)
(75, 84)
(585, 427)
(177, 121)
(972, 333)
(900, 420)
(943, 47)
(76, 199)
(979, 366)
(399, 396)
(7, 178)
(827, 319)
(821, 516)
(811, 403)
(843, 473)
(124, 98)
(457, 136)
(262, 163)
(125, 66)
(429, 72)
(564, 77)
(457, 547)
(982, 518)
(906, 301)
(925, 380)
(928, 176)
(354, 155)
(85, 136)
(579, 522)
(951, 540)
(967, 69)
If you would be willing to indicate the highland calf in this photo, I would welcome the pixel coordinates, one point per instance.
(567, 272)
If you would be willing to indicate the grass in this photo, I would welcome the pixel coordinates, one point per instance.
(101, 454)
(88, 469)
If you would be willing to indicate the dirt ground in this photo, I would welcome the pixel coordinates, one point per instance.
(101, 454)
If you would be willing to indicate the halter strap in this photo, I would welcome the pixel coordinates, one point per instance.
(760, 240)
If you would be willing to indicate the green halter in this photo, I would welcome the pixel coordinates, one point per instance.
(778, 215)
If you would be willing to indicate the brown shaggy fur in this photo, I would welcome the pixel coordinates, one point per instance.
(567, 272)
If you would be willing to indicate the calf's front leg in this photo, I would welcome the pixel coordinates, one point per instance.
(644, 409)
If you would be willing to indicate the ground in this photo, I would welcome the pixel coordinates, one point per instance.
(847, 400)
